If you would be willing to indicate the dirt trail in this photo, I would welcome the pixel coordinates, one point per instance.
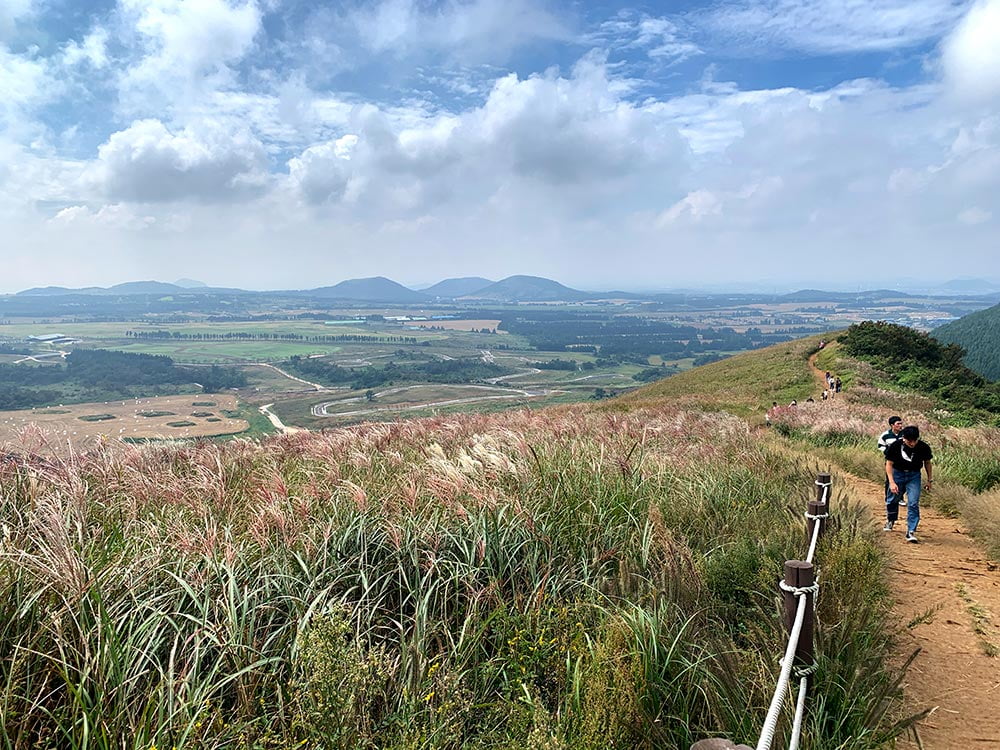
(948, 591)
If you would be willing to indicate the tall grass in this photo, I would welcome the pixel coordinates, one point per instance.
(534, 579)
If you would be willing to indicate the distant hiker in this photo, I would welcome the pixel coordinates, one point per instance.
(767, 414)
(794, 403)
(886, 439)
(825, 394)
(810, 400)
(903, 461)
(838, 384)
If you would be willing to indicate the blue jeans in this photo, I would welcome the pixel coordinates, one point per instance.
(891, 504)
(908, 483)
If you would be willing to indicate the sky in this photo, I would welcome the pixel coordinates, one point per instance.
(274, 144)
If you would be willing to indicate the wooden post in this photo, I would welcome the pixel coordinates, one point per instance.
(718, 744)
(821, 480)
(816, 508)
(800, 574)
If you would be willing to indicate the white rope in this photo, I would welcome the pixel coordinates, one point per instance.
(771, 720)
(800, 709)
(812, 588)
(815, 537)
(826, 489)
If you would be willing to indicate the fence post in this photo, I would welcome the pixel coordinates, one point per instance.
(816, 508)
(800, 574)
(823, 482)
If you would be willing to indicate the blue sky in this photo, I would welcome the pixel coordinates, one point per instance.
(285, 143)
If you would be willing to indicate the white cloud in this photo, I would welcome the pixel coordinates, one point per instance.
(831, 26)
(12, 11)
(576, 138)
(186, 48)
(475, 29)
(114, 216)
(92, 50)
(148, 163)
(659, 37)
(322, 172)
(974, 215)
(24, 83)
(971, 54)
(698, 205)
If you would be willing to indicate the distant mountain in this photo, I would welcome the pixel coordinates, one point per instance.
(143, 287)
(968, 286)
(979, 334)
(375, 289)
(190, 284)
(460, 287)
(57, 291)
(529, 289)
(158, 288)
(816, 295)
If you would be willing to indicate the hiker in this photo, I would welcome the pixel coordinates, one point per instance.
(825, 394)
(903, 461)
(837, 382)
(886, 439)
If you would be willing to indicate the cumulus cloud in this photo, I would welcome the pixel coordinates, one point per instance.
(24, 83)
(971, 54)
(186, 47)
(91, 51)
(148, 163)
(574, 134)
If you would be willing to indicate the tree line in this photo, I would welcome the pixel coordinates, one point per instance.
(89, 374)
(916, 361)
(352, 338)
(459, 370)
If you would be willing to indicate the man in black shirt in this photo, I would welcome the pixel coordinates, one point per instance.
(903, 461)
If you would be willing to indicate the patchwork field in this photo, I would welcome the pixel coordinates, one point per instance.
(456, 325)
(183, 416)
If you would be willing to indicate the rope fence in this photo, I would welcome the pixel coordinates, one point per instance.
(798, 591)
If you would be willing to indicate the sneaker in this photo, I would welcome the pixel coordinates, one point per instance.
(888, 526)
(911, 537)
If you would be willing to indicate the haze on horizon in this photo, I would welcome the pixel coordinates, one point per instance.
(275, 144)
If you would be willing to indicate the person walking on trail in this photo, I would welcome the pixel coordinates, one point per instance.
(903, 461)
(886, 439)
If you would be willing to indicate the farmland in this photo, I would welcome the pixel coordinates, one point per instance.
(532, 355)
(147, 418)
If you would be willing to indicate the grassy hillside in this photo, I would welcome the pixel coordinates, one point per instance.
(979, 334)
(557, 579)
(745, 384)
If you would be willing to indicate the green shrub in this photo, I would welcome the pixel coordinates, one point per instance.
(96, 417)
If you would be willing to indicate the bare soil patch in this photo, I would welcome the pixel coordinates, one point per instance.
(77, 424)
